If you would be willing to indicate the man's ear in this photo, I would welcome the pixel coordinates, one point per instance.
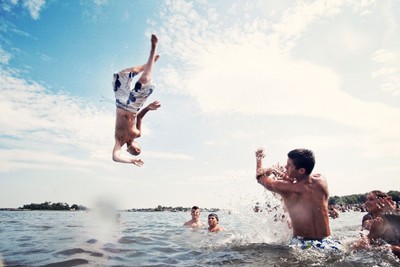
(302, 171)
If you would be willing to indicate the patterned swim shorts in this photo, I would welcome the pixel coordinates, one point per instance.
(327, 243)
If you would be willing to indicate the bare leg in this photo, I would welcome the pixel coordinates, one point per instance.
(148, 67)
(139, 69)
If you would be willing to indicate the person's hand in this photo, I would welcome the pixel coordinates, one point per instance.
(263, 172)
(138, 162)
(279, 171)
(154, 105)
(260, 153)
(386, 205)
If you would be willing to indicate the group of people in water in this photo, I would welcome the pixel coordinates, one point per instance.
(304, 194)
(195, 222)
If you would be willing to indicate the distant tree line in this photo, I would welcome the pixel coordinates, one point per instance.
(359, 198)
(52, 206)
(171, 209)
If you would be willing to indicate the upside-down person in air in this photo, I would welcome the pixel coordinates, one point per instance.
(128, 103)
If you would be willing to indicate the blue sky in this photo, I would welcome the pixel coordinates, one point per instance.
(233, 76)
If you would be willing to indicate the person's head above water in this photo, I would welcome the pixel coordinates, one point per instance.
(213, 215)
(133, 148)
(195, 212)
(302, 158)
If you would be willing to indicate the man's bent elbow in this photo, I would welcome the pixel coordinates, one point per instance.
(115, 158)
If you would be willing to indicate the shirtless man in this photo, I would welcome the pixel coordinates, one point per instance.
(128, 103)
(213, 223)
(195, 221)
(305, 195)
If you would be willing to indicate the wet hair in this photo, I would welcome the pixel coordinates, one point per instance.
(195, 208)
(379, 194)
(214, 215)
(303, 158)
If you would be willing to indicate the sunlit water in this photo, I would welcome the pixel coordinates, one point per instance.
(39, 238)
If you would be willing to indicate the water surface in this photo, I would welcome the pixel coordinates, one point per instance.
(55, 238)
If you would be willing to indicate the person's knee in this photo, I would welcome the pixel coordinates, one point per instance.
(144, 80)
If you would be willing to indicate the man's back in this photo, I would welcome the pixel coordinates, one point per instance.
(307, 204)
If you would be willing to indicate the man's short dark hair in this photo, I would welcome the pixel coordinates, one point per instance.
(303, 158)
(195, 208)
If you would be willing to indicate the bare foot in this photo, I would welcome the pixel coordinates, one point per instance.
(154, 41)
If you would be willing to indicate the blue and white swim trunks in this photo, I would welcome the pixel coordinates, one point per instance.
(125, 97)
(327, 243)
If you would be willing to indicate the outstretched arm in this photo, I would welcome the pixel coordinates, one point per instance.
(280, 183)
(116, 156)
(152, 106)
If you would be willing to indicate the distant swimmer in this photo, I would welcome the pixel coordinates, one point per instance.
(305, 196)
(382, 222)
(128, 101)
(213, 223)
(377, 203)
(195, 222)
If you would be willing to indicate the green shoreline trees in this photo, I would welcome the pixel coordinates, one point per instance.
(359, 198)
(333, 200)
(52, 206)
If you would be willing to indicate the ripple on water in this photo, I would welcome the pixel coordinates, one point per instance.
(126, 240)
(67, 263)
(73, 251)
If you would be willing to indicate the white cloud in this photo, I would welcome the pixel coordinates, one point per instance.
(34, 7)
(58, 125)
(248, 69)
(389, 72)
(392, 86)
(165, 155)
(383, 72)
(4, 56)
(383, 56)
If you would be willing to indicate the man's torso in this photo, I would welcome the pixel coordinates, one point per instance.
(125, 128)
(308, 210)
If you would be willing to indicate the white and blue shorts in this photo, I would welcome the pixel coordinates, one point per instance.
(327, 243)
(125, 97)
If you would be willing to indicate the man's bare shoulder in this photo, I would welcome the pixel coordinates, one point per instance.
(319, 179)
(317, 176)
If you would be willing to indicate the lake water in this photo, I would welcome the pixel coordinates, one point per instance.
(52, 238)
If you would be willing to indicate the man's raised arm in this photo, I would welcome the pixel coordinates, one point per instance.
(152, 106)
(116, 156)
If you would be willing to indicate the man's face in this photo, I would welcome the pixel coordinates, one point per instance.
(134, 149)
(195, 214)
(371, 203)
(291, 170)
(212, 221)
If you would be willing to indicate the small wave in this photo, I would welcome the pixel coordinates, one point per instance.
(126, 240)
(68, 263)
(73, 251)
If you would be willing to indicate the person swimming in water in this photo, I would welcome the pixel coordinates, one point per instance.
(213, 223)
(382, 222)
(195, 222)
(305, 196)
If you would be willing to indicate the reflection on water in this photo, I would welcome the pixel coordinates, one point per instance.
(158, 239)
